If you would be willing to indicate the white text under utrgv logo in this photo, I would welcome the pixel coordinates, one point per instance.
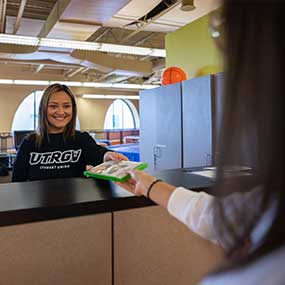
(55, 157)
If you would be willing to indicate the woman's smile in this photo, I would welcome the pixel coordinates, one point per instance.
(59, 112)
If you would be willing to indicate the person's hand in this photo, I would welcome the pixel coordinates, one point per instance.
(138, 184)
(111, 155)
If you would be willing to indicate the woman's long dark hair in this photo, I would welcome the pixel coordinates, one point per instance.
(43, 124)
(253, 124)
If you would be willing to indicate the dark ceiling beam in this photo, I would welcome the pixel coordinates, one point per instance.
(19, 16)
(96, 38)
(141, 41)
(39, 68)
(53, 17)
(3, 5)
(74, 72)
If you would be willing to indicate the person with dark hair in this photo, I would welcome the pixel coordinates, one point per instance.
(57, 150)
(247, 214)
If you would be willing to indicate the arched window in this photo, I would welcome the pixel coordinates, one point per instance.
(122, 114)
(26, 116)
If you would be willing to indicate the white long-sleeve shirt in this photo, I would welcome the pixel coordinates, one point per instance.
(195, 210)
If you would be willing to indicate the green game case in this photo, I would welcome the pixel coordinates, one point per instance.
(114, 170)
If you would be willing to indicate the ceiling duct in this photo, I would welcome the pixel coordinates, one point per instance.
(157, 10)
(122, 65)
(3, 5)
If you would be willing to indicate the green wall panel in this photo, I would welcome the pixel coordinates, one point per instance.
(192, 49)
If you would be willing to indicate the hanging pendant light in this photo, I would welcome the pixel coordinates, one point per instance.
(187, 5)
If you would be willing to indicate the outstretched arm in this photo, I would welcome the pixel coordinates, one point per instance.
(191, 208)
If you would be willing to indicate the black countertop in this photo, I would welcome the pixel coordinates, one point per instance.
(60, 198)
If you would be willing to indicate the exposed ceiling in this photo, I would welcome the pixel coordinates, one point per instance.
(127, 22)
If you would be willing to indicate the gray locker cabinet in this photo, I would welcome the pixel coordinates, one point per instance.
(180, 123)
(197, 121)
(161, 127)
(218, 89)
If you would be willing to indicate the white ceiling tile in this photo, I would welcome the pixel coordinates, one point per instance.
(138, 8)
(168, 22)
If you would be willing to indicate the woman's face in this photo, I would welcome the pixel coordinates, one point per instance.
(59, 111)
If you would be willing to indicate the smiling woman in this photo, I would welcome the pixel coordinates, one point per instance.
(26, 115)
(59, 112)
(56, 149)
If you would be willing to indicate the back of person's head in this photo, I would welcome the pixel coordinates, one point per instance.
(253, 123)
(43, 124)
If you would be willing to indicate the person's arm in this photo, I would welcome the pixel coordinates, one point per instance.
(195, 210)
(191, 208)
(92, 152)
(21, 164)
(95, 154)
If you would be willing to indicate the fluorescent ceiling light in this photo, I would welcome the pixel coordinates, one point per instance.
(19, 40)
(93, 96)
(101, 96)
(97, 84)
(81, 45)
(133, 86)
(68, 83)
(57, 43)
(79, 84)
(6, 81)
(31, 82)
(118, 85)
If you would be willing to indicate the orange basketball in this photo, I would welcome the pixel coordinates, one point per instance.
(172, 75)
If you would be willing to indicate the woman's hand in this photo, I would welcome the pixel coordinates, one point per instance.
(88, 167)
(111, 155)
(138, 184)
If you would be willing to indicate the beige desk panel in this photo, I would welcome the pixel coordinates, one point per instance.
(152, 248)
(73, 251)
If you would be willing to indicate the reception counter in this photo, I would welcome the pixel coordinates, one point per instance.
(59, 198)
(85, 231)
